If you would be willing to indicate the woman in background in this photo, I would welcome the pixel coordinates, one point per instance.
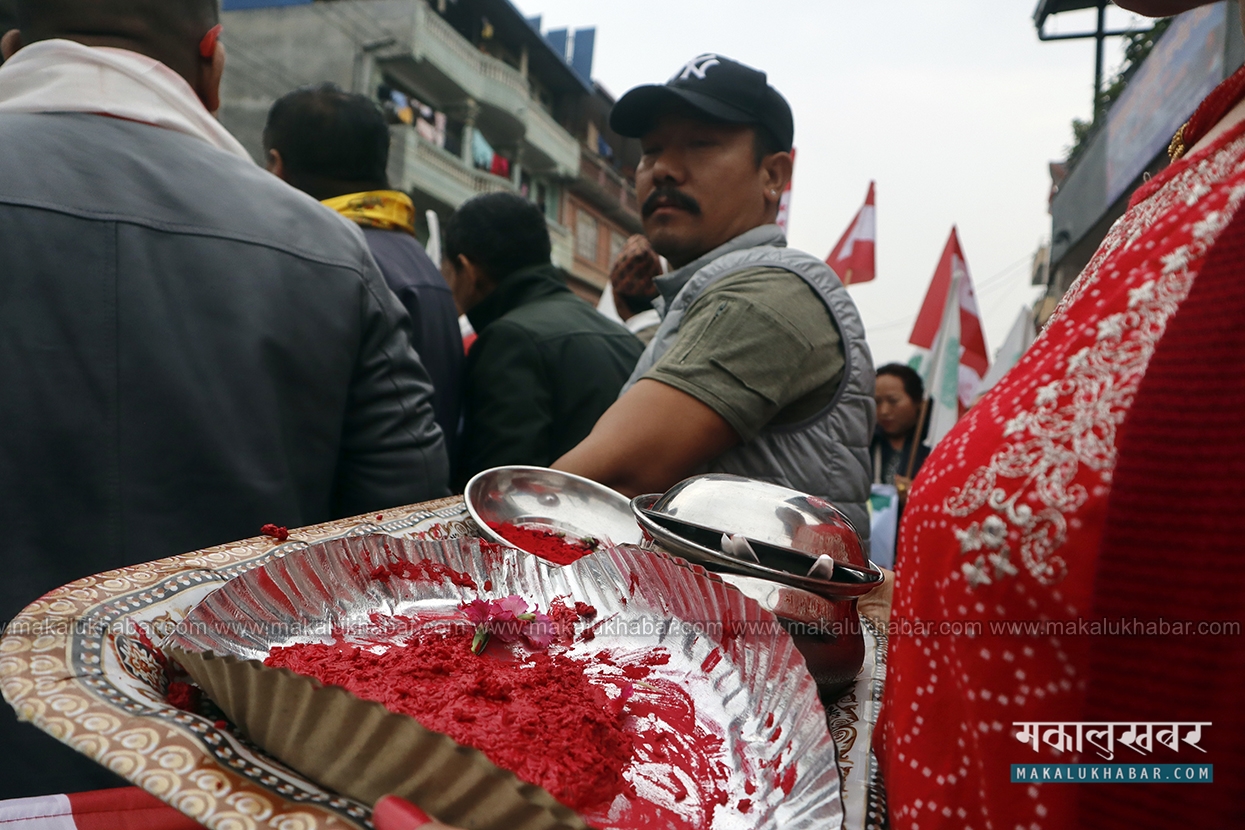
(897, 451)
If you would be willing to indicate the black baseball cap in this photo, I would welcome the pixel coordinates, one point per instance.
(723, 89)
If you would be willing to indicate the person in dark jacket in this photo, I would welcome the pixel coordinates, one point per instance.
(334, 146)
(898, 452)
(189, 349)
(546, 364)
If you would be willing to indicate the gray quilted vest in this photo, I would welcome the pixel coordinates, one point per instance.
(826, 455)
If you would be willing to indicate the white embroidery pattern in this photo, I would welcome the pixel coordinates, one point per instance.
(1071, 427)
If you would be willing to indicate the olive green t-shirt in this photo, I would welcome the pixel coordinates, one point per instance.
(759, 347)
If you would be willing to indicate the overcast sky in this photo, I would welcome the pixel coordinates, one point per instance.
(954, 108)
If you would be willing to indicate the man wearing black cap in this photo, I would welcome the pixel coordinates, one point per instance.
(760, 366)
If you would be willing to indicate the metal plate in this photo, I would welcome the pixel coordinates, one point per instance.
(749, 685)
(552, 499)
(673, 536)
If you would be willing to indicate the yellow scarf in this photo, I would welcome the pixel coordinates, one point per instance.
(388, 209)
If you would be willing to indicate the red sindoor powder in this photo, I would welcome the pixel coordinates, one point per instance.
(540, 719)
(543, 543)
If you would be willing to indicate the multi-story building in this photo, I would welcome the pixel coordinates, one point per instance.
(479, 99)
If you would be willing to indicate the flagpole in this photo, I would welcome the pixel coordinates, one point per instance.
(916, 437)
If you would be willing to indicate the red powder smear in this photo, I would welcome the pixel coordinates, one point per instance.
(488, 584)
(278, 532)
(777, 734)
(786, 781)
(679, 773)
(543, 543)
(769, 720)
(423, 571)
(745, 805)
(183, 695)
(711, 661)
(585, 610)
(749, 787)
(541, 719)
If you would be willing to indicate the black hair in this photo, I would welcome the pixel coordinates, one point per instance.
(764, 144)
(913, 386)
(167, 30)
(500, 232)
(331, 141)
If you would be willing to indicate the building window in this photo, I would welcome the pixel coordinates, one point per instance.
(617, 241)
(586, 236)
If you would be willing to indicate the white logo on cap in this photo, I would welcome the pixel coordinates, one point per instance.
(697, 66)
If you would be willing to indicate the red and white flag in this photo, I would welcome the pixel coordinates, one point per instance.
(852, 258)
(784, 201)
(125, 808)
(936, 318)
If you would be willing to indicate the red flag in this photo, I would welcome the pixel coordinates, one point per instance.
(852, 258)
(974, 359)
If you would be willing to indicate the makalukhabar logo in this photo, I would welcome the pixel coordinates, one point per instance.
(1139, 737)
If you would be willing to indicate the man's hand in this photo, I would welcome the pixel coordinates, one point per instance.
(633, 272)
(652, 438)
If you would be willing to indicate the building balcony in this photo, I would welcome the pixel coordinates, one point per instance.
(416, 164)
(607, 190)
(448, 70)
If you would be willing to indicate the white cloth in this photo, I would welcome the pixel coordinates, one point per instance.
(65, 76)
(637, 323)
(883, 524)
(43, 812)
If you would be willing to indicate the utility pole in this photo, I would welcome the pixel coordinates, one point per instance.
(1048, 8)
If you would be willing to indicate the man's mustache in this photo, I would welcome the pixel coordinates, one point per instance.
(670, 196)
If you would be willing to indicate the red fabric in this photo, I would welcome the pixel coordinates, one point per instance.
(1172, 550)
(1004, 526)
(853, 257)
(126, 808)
(1211, 111)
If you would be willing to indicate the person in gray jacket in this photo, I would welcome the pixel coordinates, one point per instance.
(189, 349)
(760, 366)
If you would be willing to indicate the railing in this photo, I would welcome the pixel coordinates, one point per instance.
(598, 171)
(442, 174)
(495, 83)
(549, 136)
(441, 34)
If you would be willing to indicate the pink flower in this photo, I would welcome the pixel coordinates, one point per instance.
(509, 619)
(539, 632)
(477, 611)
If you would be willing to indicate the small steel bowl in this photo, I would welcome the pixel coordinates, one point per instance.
(788, 530)
(551, 499)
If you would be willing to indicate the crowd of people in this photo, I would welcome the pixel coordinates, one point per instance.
(192, 346)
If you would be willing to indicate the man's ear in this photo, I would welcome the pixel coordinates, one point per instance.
(775, 174)
(276, 165)
(210, 74)
(10, 43)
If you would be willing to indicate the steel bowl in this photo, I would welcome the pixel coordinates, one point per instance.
(800, 540)
(551, 499)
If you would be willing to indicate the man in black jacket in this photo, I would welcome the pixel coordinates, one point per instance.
(334, 146)
(189, 349)
(546, 364)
